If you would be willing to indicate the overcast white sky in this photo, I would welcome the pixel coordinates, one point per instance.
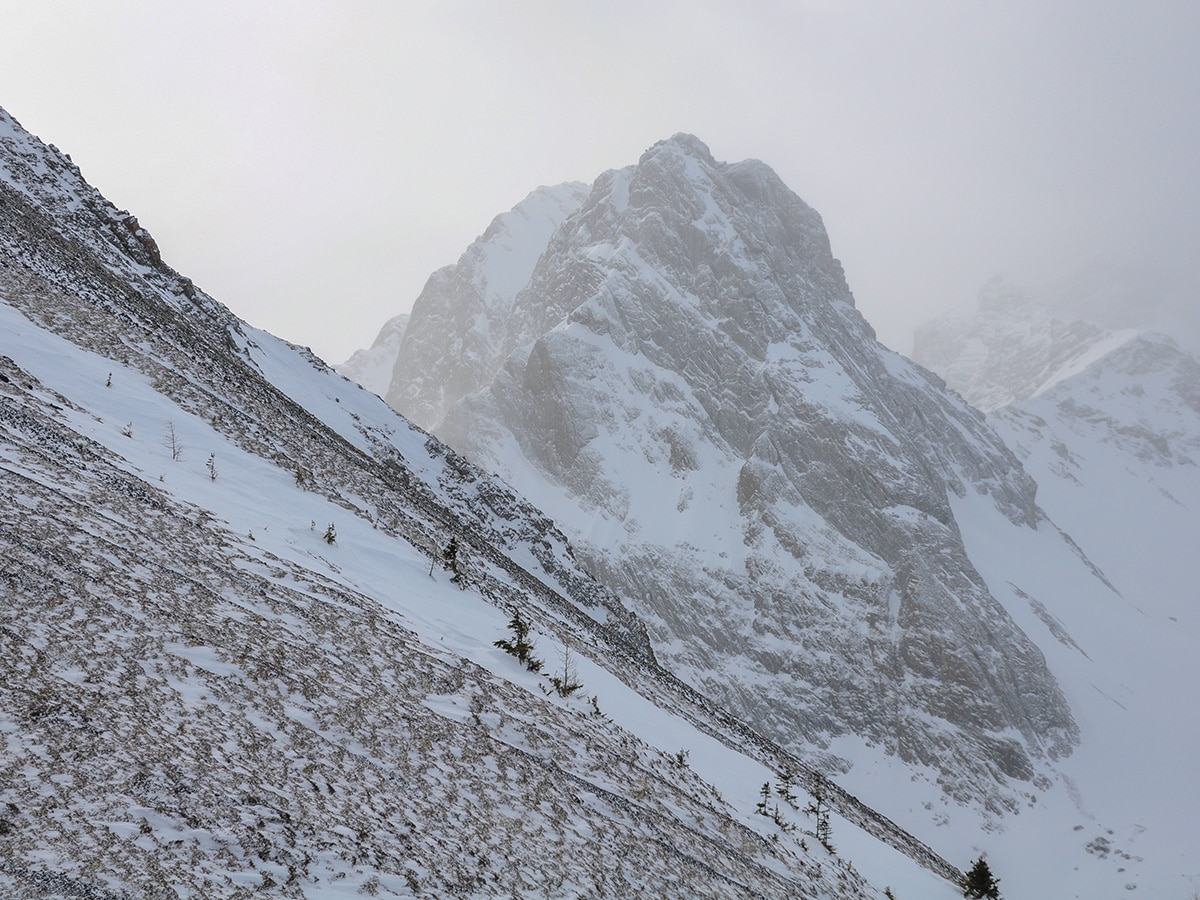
(311, 163)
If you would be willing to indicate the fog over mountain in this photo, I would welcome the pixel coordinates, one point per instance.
(313, 162)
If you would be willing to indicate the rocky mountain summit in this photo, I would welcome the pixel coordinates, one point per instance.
(684, 383)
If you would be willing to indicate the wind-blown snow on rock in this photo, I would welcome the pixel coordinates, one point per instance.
(690, 391)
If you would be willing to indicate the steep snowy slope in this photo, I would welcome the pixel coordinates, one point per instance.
(1113, 440)
(692, 395)
(228, 663)
(1116, 452)
(372, 368)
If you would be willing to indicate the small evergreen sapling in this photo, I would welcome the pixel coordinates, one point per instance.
(764, 808)
(819, 808)
(784, 788)
(330, 535)
(595, 701)
(980, 882)
(764, 797)
(450, 562)
(520, 646)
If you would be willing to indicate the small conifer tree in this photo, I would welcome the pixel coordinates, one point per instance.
(784, 788)
(980, 882)
(819, 808)
(330, 535)
(520, 646)
(764, 795)
(784, 825)
(450, 562)
(211, 465)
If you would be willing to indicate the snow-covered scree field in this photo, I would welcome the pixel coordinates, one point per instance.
(232, 664)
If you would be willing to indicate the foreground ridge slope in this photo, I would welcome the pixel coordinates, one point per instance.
(203, 691)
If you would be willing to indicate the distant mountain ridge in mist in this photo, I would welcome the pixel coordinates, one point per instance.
(1010, 348)
(372, 368)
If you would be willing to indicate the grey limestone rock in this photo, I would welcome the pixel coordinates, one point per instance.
(687, 387)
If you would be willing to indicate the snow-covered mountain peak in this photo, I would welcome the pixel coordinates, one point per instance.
(681, 143)
(465, 309)
(684, 383)
(506, 247)
(682, 202)
(1000, 296)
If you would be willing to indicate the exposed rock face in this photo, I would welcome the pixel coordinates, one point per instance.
(1011, 348)
(372, 368)
(461, 328)
(688, 389)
